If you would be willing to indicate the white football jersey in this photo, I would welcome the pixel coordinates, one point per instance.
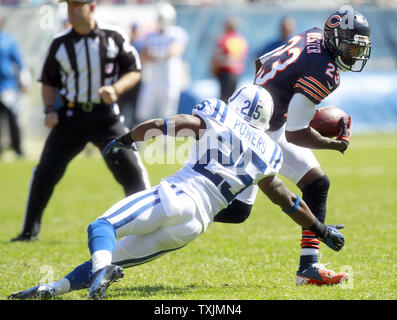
(162, 68)
(229, 158)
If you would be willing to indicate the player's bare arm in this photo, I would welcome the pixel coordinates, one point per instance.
(182, 125)
(298, 211)
(49, 95)
(310, 138)
(298, 131)
(279, 194)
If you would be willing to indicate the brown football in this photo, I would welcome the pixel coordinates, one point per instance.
(326, 121)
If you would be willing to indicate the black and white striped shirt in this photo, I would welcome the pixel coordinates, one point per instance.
(78, 65)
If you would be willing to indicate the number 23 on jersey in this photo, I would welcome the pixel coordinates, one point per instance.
(293, 54)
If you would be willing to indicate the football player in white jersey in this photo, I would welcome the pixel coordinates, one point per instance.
(232, 152)
(163, 71)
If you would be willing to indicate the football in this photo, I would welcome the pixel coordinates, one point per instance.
(326, 121)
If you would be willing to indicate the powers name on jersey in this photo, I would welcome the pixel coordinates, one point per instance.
(231, 154)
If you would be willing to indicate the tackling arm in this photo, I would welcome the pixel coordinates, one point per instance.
(278, 193)
(182, 125)
(298, 211)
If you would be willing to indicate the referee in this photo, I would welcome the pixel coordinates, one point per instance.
(89, 65)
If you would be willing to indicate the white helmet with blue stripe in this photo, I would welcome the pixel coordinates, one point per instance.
(254, 104)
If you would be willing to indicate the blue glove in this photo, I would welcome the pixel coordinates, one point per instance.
(333, 238)
(115, 145)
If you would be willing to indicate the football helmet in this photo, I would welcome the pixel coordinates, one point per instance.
(347, 39)
(254, 104)
(166, 15)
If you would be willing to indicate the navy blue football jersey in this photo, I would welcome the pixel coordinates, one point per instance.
(302, 65)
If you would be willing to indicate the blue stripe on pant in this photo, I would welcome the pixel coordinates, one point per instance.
(131, 203)
(128, 263)
(102, 236)
(102, 233)
(136, 214)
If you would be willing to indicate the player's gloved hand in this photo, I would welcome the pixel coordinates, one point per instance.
(332, 237)
(346, 131)
(123, 142)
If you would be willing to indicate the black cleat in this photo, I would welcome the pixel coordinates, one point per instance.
(102, 279)
(42, 292)
(27, 236)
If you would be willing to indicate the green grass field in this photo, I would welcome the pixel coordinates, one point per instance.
(256, 260)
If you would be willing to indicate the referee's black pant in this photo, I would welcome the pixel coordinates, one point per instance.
(75, 129)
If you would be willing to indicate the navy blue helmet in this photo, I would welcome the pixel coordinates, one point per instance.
(347, 39)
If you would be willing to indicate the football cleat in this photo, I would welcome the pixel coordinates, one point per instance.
(102, 279)
(317, 274)
(40, 291)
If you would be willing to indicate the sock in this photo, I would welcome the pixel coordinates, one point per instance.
(80, 277)
(310, 246)
(61, 286)
(101, 259)
(315, 195)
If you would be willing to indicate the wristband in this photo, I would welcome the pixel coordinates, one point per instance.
(295, 207)
(48, 109)
(165, 126)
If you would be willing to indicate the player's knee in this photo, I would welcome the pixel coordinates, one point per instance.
(326, 183)
(101, 236)
(322, 183)
(101, 226)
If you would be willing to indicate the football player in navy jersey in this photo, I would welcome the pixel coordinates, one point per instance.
(299, 75)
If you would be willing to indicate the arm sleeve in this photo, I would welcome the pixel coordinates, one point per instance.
(300, 112)
(50, 72)
(239, 210)
(236, 212)
(128, 57)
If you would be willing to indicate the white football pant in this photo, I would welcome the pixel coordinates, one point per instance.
(147, 231)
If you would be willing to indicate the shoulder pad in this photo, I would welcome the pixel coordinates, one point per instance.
(209, 107)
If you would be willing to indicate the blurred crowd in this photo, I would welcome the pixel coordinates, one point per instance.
(387, 3)
(165, 74)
